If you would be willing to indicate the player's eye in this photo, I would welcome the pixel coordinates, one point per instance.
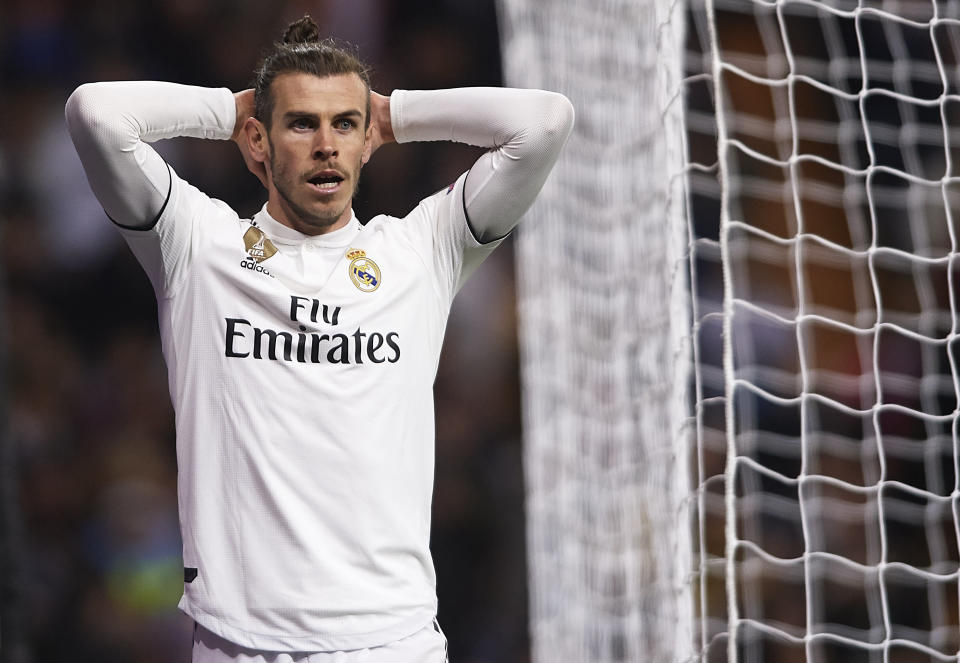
(345, 124)
(302, 123)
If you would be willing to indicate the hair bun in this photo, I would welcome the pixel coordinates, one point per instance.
(302, 31)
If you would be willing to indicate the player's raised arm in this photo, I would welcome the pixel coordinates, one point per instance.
(111, 124)
(524, 129)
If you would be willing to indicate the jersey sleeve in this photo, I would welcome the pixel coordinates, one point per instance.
(524, 131)
(157, 212)
(166, 248)
(440, 232)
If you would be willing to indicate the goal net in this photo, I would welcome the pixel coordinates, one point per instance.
(602, 273)
(819, 143)
(824, 235)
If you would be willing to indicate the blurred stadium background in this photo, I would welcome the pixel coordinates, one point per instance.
(91, 566)
(96, 573)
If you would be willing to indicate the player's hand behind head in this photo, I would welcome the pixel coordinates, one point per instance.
(381, 128)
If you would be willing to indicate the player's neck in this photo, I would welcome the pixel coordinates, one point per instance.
(307, 226)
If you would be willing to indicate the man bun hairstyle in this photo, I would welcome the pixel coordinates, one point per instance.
(302, 31)
(302, 50)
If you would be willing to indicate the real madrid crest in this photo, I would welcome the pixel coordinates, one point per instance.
(363, 271)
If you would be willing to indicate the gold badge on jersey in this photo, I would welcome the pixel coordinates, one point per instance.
(363, 271)
(259, 248)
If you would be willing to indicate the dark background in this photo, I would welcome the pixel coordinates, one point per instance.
(91, 561)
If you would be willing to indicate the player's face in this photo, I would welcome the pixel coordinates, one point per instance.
(317, 146)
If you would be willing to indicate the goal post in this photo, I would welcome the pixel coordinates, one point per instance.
(604, 335)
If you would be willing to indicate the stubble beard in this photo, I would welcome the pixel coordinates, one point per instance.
(285, 187)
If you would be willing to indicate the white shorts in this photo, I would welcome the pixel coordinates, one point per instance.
(428, 645)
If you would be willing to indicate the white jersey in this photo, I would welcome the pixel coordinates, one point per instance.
(301, 368)
(301, 371)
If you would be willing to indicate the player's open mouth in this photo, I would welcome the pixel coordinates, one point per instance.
(326, 182)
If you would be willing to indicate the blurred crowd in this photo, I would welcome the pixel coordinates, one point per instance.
(97, 573)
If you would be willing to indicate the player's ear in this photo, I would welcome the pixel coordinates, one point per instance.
(256, 137)
(255, 148)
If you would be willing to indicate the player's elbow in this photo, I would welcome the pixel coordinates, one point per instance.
(548, 129)
(85, 113)
(554, 122)
(559, 117)
(78, 106)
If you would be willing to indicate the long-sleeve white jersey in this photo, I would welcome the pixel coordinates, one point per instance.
(301, 368)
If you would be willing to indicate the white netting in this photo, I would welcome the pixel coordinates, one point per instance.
(825, 195)
(604, 329)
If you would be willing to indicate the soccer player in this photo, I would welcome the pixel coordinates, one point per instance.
(301, 345)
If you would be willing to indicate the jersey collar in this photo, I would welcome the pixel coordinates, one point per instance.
(282, 234)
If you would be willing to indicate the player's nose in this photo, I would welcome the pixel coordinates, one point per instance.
(324, 146)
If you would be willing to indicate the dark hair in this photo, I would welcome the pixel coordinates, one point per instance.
(302, 50)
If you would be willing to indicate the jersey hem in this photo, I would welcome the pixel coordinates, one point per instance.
(319, 642)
